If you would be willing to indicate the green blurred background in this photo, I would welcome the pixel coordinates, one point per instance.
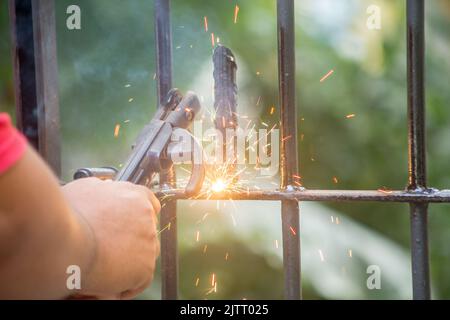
(106, 77)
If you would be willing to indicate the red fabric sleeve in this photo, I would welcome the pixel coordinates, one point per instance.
(12, 143)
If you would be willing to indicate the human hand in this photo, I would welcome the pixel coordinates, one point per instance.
(123, 219)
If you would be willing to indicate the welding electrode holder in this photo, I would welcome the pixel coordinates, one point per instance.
(153, 151)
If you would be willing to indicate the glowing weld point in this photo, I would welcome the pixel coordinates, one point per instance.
(197, 281)
(218, 185)
(349, 116)
(198, 236)
(350, 253)
(212, 39)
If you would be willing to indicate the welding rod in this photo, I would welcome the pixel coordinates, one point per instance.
(225, 98)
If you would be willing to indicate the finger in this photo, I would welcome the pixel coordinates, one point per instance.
(154, 201)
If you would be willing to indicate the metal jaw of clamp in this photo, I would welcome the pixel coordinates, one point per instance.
(164, 139)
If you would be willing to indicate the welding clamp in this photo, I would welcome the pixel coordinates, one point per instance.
(155, 149)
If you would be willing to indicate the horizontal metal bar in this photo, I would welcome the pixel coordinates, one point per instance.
(433, 195)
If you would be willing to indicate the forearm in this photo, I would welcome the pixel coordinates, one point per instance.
(40, 235)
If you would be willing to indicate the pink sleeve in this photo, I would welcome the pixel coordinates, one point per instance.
(12, 143)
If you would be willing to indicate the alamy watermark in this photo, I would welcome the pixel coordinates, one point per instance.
(374, 20)
(238, 146)
(73, 21)
(73, 281)
(374, 280)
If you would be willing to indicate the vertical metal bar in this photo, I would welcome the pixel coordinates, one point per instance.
(21, 21)
(419, 251)
(417, 147)
(44, 26)
(169, 249)
(163, 38)
(36, 76)
(289, 158)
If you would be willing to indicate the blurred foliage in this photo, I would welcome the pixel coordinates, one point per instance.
(107, 76)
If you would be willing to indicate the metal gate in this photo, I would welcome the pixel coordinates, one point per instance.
(33, 22)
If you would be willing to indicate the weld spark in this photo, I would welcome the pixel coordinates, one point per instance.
(236, 11)
(321, 256)
(205, 19)
(293, 231)
(116, 130)
(213, 280)
(327, 75)
(272, 110)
